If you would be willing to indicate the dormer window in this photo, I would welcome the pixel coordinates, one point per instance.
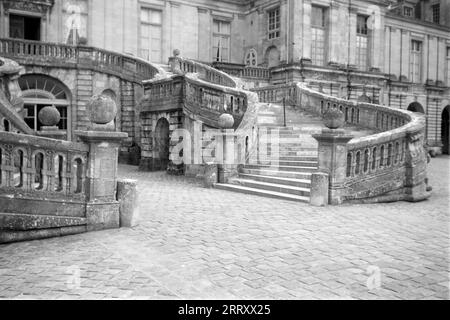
(408, 11)
(436, 10)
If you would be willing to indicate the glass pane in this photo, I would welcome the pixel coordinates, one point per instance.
(216, 26)
(144, 15)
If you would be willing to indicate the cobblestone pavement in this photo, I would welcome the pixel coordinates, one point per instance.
(203, 243)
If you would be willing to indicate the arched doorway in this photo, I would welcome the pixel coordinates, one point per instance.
(416, 107)
(272, 57)
(445, 130)
(162, 140)
(40, 91)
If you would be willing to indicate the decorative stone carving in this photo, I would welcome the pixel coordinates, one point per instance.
(226, 121)
(41, 6)
(333, 118)
(102, 109)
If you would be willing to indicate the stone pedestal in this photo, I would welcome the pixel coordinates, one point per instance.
(333, 160)
(52, 132)
(103, 207)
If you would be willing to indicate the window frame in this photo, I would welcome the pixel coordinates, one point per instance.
(322, 28)
(434, 18)
(411, 9)
(150, 24)
(222, 35)
(362, 35)
(416, 53)
(448, 64)
(274, 29)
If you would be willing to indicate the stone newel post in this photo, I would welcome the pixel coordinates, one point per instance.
(102, 209)
(333, 153)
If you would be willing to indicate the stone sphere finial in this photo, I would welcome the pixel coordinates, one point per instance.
(176, 52)
(49, 116)
(333, 118)
(226, 121)
(102, 109)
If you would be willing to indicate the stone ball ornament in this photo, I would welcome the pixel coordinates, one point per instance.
(176, 52)
(102, 109)
(333, 118)
(226, 121)
(49, 116)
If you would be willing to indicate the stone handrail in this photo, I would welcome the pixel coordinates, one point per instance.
(34, 52)
(206, 73)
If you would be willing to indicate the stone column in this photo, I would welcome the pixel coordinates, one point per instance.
(333, 160)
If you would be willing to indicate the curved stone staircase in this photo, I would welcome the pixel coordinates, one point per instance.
(284, 173)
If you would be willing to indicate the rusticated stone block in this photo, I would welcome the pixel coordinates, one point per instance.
(127, 195)
(102, 215)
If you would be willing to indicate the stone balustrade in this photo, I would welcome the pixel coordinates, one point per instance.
(242, 71)
(206, 73)
(42, 168)
(26, 51)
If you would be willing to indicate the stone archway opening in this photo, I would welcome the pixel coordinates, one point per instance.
(445, 130)
(162, 144)
(416, 107)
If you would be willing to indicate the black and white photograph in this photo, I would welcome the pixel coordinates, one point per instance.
(240, 152)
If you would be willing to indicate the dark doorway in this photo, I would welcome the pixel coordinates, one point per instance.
(416, 107)
(24, 27)
(445, 134)
(162, 140)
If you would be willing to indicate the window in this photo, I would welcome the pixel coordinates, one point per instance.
(221, 41)
(24, 27)
(318, 35)
(274, 23)
(408, 11)
(41, 91)
(151, 34)
(436, 11)
(361, 42)
(75, 22)
(416, 61)
(448, 66)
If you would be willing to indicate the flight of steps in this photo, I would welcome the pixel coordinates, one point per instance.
(285, 174)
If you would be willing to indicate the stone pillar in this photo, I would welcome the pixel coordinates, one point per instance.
(175, 61)
(333, 160)
(102, 209)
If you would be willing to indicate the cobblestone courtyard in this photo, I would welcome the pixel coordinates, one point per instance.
(196, 243)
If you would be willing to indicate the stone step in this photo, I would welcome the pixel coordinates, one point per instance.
(281, 188)
(301, 183)
(277, 173)
(23, 222)
(261, 192)
(281, 168)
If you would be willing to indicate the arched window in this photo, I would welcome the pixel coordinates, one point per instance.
(6, 125)
(40, 91)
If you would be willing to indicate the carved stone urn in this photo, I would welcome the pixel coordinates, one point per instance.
(102, 109)
(333, 118)
(226, 121)
(49, 116)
